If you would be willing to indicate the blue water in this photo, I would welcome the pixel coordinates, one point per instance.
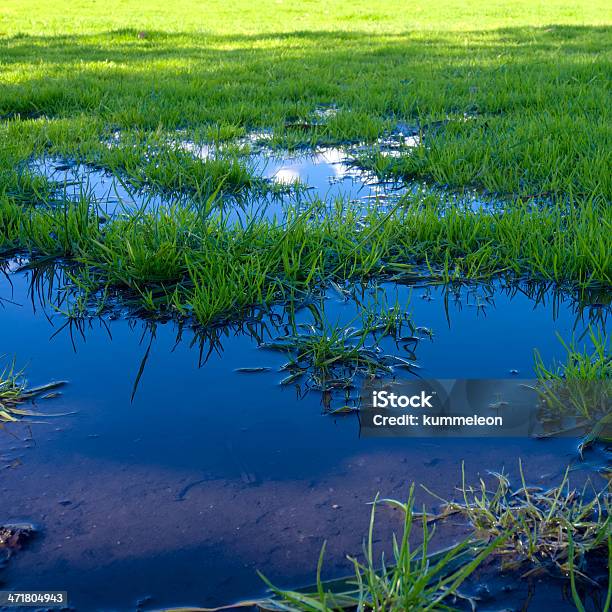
(210, 473)
(326, 175)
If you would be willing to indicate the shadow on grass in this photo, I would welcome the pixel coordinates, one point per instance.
(414, 72)
(537, 97)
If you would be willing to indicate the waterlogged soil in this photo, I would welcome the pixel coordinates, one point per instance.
(178, 490)
(297, 179)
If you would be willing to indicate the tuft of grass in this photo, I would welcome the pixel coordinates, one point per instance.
(413, 580)
(153, 161)
(584, 364)
(14, 392)
(330, 356)
(580, 388)
(557, 527)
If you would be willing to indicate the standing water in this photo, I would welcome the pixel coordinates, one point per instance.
(179, 465)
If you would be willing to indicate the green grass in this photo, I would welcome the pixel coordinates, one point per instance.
(271, 16)
(328, 356)
(533, 79)
(509, 99)
(527, 528)
(412, 580)
(554, 527)
(581, 363)
(580, 388)
(195, 263)
(14, 392)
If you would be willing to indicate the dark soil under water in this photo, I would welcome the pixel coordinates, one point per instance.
(178, 496)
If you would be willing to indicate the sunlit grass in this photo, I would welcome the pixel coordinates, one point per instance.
(517, 103)
(518, 107)
(196, 263)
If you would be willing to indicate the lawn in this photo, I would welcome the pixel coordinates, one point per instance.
(523, 91)
(508, 101)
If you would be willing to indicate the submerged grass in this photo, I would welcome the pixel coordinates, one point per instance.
(330, 356)
(14, 392)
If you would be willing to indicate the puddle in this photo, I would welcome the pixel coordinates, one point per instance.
(112, 196)
(210, 473)
(328, 174)
(296, 179)
(76, 182)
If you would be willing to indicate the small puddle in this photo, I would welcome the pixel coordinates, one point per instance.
(76, 182)
(328, 174)
(215, 469)
(295, 179)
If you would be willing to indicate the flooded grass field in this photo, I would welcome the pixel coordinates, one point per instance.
(225, 232)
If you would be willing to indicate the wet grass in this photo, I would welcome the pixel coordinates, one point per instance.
(581, 363)
(156, 162)
(524, 526)
(579, 389)
(533, 84)
(554, 527)
(196, 263)
(519, 108)
(14, 392)
(530, 529)
(412, 580)
(517, 105)
(328, 356)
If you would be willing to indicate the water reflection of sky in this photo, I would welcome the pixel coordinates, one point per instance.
(480, 334)
(325, 173)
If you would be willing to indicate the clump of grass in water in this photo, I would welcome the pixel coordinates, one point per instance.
(330, 356)
(14, 392)
(558, 526)
(152, 162)
(581, 387)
